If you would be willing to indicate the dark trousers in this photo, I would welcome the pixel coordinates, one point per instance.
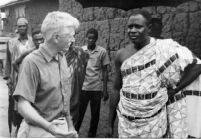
(95, 101)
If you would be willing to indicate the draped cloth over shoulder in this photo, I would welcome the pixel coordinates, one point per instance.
(143, 97)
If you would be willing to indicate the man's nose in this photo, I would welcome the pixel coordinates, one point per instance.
(40, 41)
(133, 29)
(91, 40)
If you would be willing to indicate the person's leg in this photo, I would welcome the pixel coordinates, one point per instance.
(75, 111)
(1, 67)
(189, 136)
(95, 103)
(84, 99)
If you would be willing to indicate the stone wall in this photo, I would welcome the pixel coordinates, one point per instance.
(35, 12)
(182, 23)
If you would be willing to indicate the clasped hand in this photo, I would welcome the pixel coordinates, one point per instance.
(61, 132)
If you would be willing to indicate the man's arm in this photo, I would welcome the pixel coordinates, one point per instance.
(8, 63)
(190, 73)
(104, 63)
(105, 79)
(25, 93)
(18, 61)
(114, 99)
(31, 116)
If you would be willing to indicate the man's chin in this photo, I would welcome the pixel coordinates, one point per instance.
(134, 41)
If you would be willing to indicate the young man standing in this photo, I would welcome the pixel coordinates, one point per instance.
(37, 37)
(93, 89)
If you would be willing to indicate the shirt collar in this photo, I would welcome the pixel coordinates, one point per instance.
(47, 53)
(95, 49)
(19, 38)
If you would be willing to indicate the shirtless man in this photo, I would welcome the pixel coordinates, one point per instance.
(140, 88)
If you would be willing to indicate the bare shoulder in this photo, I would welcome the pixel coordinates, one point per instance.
(124, 53)
(121, 52)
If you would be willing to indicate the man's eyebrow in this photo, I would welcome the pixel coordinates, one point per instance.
(21, 25)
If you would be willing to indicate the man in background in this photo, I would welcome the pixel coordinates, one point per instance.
(37, 36)
(95, 82)
(16, 47)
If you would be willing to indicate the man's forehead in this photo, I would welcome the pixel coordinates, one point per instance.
(68, 30)
(38, 35)
(21, 24)
(136, 18)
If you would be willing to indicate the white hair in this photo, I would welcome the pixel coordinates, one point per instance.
(55, 21)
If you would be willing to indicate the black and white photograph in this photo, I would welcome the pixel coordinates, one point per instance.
(100, 69)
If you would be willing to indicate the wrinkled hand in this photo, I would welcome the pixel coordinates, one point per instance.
(74, 131)
(59, 133)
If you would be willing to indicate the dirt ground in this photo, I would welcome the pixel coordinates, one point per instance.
(101, 132)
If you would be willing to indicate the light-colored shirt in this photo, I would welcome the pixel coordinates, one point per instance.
(97, 59)
(15, 48)
(45, 81)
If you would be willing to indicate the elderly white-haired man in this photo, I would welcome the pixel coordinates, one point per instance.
(44, 87)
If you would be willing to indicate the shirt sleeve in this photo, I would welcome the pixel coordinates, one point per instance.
(28, 81)
(105, 58)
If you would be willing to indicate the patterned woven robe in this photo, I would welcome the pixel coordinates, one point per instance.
(146, 76)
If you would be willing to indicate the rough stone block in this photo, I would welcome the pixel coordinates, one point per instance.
(182, 8)
(120, 13)
(99, 13)
(77, 10)
(193, 6)
(167, 23)
(194, 22)
(103, 32)
(161, 9)
(88, 14)
(180, 23)
(109, 13)
(117, 30)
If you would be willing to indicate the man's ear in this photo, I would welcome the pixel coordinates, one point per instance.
(55, 38)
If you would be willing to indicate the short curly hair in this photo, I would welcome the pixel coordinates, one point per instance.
(92, 31)
(144, 13)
